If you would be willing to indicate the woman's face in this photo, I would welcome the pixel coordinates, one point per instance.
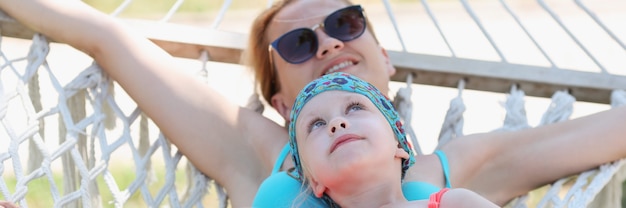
(362, 57)
(341, 135)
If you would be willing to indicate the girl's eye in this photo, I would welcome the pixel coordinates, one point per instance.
(354, 107)
(317, 123)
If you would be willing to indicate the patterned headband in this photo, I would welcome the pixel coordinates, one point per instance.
(345, 82)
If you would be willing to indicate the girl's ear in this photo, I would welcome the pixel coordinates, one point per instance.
(317, 187)
(400, 153)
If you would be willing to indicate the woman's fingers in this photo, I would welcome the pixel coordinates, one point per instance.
(5, 204)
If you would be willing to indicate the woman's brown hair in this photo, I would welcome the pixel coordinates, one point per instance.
(257, 54)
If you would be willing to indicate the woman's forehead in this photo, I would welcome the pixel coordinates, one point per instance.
(302, 13)
(304, 10)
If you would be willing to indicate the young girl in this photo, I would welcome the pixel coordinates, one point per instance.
(349, 147)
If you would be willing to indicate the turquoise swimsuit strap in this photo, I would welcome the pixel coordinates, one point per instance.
(281, 158)
(444, 165)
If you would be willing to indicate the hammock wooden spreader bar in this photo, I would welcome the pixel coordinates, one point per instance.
(499, 77)
(189, 42)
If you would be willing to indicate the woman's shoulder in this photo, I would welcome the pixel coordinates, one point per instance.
(428, 169)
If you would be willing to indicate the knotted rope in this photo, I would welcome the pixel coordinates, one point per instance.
(452, 126)
(403, 104)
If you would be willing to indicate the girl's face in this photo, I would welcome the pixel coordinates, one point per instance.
(342, 135)
(362, 56)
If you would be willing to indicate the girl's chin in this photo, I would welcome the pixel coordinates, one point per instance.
(353, 172)
(349, 162)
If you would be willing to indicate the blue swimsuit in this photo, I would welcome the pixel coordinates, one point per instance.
(282, 190)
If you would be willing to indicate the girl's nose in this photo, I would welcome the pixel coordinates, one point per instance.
(337, 124)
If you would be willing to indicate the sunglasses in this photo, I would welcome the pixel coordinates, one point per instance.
(301, 44)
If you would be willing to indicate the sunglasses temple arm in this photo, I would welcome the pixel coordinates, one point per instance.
(271, 57)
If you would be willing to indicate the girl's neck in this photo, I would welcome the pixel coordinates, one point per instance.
(368, 194)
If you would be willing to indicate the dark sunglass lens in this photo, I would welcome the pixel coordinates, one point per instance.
(345, 24)
(298, 45)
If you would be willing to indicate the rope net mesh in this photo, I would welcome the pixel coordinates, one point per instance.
(88, 158)
(86, 146)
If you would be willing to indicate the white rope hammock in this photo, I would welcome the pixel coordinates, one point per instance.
(82, 136)
(94, 129)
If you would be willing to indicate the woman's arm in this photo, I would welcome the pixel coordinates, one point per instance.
(503, 165)
(231, 144)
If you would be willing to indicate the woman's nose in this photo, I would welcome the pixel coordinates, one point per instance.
(327, 44)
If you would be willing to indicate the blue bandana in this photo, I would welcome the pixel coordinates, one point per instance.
(346, 82)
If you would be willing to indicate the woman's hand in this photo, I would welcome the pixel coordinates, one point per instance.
(6, 204)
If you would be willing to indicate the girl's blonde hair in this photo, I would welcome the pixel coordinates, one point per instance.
(301, 198)
(256, 55)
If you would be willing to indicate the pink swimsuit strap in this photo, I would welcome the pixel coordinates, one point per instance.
(435, 199)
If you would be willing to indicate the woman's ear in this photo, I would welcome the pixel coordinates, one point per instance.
(391, 70)
(279, 103)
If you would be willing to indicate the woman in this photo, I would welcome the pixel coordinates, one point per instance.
(245, 145)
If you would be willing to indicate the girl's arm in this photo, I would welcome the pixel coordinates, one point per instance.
(503, 165)
(232, 145)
